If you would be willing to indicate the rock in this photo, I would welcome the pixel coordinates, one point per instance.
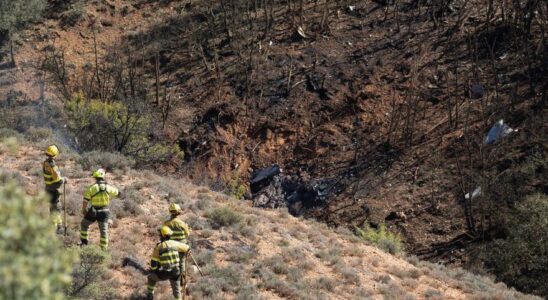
(396, 216)
(476, 91)
(193, 270)
(107, 23)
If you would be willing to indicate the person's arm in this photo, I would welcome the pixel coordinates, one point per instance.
(55, 173)
(186, 229)
(182, 247)
(112, 191)
(87, 198)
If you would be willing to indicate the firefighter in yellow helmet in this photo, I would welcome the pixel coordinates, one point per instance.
(54, 181)
(165, 263)
(95, 207)
(180, 229)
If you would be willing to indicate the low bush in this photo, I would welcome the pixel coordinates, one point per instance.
(223, 216)
(236, 187)
(276, 264)
(8, 176)
(88, 272)
(38, 134)
(9, 145)
(107, 160)
(73, 12)
(380, 238)
(34, 264)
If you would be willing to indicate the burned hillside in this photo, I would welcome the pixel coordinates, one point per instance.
(376, 110)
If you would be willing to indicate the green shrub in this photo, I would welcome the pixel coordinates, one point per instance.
(520, 259)
(381, 238)
(73, 12)
(8, 175)
(6, 133)
(223, 216)
(88, 272)
(235, 187)
(33, 263)
(9, 145)
(110, 161)
(113, 126)
(37, 134)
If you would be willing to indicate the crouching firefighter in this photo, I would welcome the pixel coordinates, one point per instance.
(165, 263)
(98, 197)
(54, 181)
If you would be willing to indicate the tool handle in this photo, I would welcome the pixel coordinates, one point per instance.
(65, 207)
(195, 263)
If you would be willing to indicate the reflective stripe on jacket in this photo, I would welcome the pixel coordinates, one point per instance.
(51, 172)
(180, 229)
(98, 194)
(166, 255)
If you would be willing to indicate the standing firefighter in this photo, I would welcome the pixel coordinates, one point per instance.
(98, 197)
(180, 229)
(54, 182)
(165, 263)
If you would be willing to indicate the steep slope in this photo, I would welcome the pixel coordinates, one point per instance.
(387, 104)
(260, 254)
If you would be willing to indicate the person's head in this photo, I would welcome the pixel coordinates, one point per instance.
(99, 174)
(175, 209)
(165, 233)
(52, 151)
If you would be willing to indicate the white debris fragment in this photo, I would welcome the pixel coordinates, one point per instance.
(475, 194)
(351, 8)
(497, 132)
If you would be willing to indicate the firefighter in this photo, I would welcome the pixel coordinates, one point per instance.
(53, 181)
(180, 229)
(95, 207)
(165, 263)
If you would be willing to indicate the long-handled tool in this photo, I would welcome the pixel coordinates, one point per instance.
(195, 263)
(65, 207)
(184, 278)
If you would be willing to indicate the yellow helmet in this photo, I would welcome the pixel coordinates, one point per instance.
(99, 173)
(165, 231)
(52, 151)
(174, 208)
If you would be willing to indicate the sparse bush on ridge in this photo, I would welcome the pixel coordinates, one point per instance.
(9, 145)
(108, 160)
(223, 216)
(7, 176)
(381, 238)
(38, 134)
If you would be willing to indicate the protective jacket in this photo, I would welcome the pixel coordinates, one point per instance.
(98, 194)
(165, 256)
(51, 172)
(180, 229)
